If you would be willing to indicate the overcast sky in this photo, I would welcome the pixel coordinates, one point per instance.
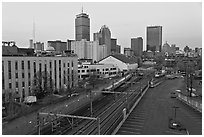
(181, 22)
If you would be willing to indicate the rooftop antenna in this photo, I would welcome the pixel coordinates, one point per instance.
(33, 29)
(34, 33)
(82, 9)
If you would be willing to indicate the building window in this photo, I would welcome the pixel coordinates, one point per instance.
(29, 83)
(34, 65)
(9, 69)
(3, 86)
(28, 64)
(68, 64)
(45, 68)
(72, 64)
(50, 65)
(68, 71)
(23, 75)
(64, 65)
(29, 75)
(10, 85)
(16, 74)
(16, 84)
(78, 71)
(64, 78)
(55, 65)
(83, 71)
(59, 63)
(29, 91)
(23, 93)
(23, 84)
(16, 65)
(40, 67)
(22, 65)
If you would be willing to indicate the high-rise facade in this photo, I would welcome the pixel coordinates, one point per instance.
(82, 27)
(137, 46)
(104, 38)
(113, 45)
(128, 52)
(154, 38)
(89, 50)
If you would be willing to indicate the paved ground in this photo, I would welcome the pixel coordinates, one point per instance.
(151, 115)
(26, 124)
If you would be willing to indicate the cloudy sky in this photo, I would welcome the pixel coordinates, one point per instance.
(181, 22)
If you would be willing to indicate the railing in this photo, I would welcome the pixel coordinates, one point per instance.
(189, 101)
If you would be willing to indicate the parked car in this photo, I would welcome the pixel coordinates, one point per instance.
(173, 95)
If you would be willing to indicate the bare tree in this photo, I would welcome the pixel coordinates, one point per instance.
(42, 84)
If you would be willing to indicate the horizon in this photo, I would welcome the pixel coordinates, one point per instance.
(181, 26)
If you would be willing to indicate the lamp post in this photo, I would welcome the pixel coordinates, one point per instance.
(175, 107)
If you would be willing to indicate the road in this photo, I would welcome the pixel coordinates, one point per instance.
(151, 115)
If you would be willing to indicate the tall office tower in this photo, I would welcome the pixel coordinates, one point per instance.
(113, 45)
(137, 46)
(154, 38)
(105, 38)
(82, 27)
(118, 49)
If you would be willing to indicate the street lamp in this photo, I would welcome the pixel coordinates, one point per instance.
(175, 107)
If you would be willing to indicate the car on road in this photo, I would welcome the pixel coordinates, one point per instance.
(178, 90)
(173, 124)
(170, 77)
(173, 95)
(141, 74)
(74, 94)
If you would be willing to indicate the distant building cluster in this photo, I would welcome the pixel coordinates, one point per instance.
(72, 60)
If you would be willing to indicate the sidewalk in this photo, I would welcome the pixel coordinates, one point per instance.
(26, 124)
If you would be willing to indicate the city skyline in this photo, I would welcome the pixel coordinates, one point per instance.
(125, 24)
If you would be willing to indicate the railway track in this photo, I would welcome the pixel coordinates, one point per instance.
(109, 118)
(108, 108)
(64, 124)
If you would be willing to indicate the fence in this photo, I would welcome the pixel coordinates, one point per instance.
(189, 101)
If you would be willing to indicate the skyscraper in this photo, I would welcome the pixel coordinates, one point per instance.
(154, 38)
(137, 46)
(113, 45)
(104, 38)
(82, 27)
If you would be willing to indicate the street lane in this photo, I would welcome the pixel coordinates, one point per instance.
(156, 107)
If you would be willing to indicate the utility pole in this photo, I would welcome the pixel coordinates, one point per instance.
(191, 84)
(91, 109)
